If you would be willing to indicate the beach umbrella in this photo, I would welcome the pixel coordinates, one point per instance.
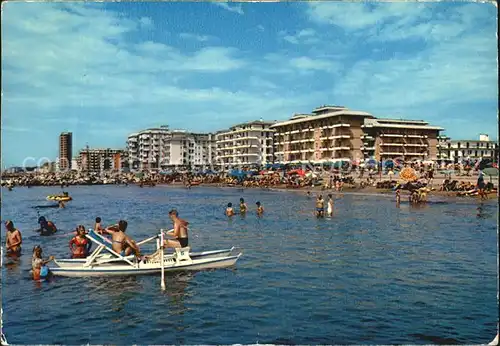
(408, 174)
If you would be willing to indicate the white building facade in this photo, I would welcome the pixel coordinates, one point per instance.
(465, 150)
(159, 148)
(245, 144)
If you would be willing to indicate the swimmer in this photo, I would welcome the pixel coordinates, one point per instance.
(14, 239)
(229, 209)
(243, 206)
(320, 206)
(398, 196)
(79, 245)
(61, 205)
(330, 205)
(46, 227)
(38, 264)
(260, 208)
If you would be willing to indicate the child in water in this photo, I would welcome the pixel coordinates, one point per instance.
(38, 264)
(243, 206)
(229, 209)
(260, 209)
(329, 209)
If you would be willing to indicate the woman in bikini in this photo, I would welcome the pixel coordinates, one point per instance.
(79, 245)
(121, 243)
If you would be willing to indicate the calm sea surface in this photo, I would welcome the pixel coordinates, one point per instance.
(372, 274)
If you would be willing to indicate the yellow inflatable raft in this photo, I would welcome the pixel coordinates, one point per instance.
(58, 198)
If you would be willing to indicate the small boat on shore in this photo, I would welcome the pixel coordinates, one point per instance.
(111, 263)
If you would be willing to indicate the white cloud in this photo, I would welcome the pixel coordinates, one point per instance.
(304, 36)
(189, 36)
(358, 15)
(225, 5)
(146, 22)
(306, 63)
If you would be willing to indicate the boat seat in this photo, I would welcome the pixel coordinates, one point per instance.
(182, 254)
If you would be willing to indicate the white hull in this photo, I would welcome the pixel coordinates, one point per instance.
(113, 264)
(114, 269)
(77, 262)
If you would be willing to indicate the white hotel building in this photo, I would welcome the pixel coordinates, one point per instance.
(245, 144)
(158, 148)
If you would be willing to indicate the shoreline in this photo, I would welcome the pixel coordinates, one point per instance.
(367, 190)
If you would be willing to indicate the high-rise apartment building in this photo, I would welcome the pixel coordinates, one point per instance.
(329, 134)
(408, 140)
(100, 160)
(159, 148)
(245, 144)
(65, 151)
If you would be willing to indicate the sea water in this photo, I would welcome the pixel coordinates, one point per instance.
(373, 273)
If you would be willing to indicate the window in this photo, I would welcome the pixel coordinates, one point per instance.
(475, 153)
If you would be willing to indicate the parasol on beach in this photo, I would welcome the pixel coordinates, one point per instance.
(408, 174)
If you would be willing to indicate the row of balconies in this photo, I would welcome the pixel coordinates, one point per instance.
(311, 129)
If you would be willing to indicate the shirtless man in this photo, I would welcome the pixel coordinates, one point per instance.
(180, 231)
(14, 239)
(320, 206)
(122, 243)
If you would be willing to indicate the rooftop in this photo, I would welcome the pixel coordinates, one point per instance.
(322, 112)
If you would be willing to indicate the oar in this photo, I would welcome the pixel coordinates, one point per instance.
(162, 263)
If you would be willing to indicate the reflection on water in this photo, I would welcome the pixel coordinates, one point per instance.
(371, 273)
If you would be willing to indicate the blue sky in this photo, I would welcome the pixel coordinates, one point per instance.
(105, 70)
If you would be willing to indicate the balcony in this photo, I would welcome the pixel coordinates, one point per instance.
(341, 148)
(415, 136)
(367, 148)
(339, 136)
(390, 135)
(391, 153)
(392, 144)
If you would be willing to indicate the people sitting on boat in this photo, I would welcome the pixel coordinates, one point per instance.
(180, 231)
(14, 239)
(46, 227)
(260, 208)
(320, 206)
(122, 243)
(79, 244)
(229, 209)
(38, 264)
(243, 206)
(97, 226)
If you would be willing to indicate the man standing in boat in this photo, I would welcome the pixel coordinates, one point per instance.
(180, 231)
(122, 243)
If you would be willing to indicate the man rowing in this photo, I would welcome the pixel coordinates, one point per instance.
(180, 231)
(122, 243)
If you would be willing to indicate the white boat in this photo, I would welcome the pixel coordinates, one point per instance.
(113, 264)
